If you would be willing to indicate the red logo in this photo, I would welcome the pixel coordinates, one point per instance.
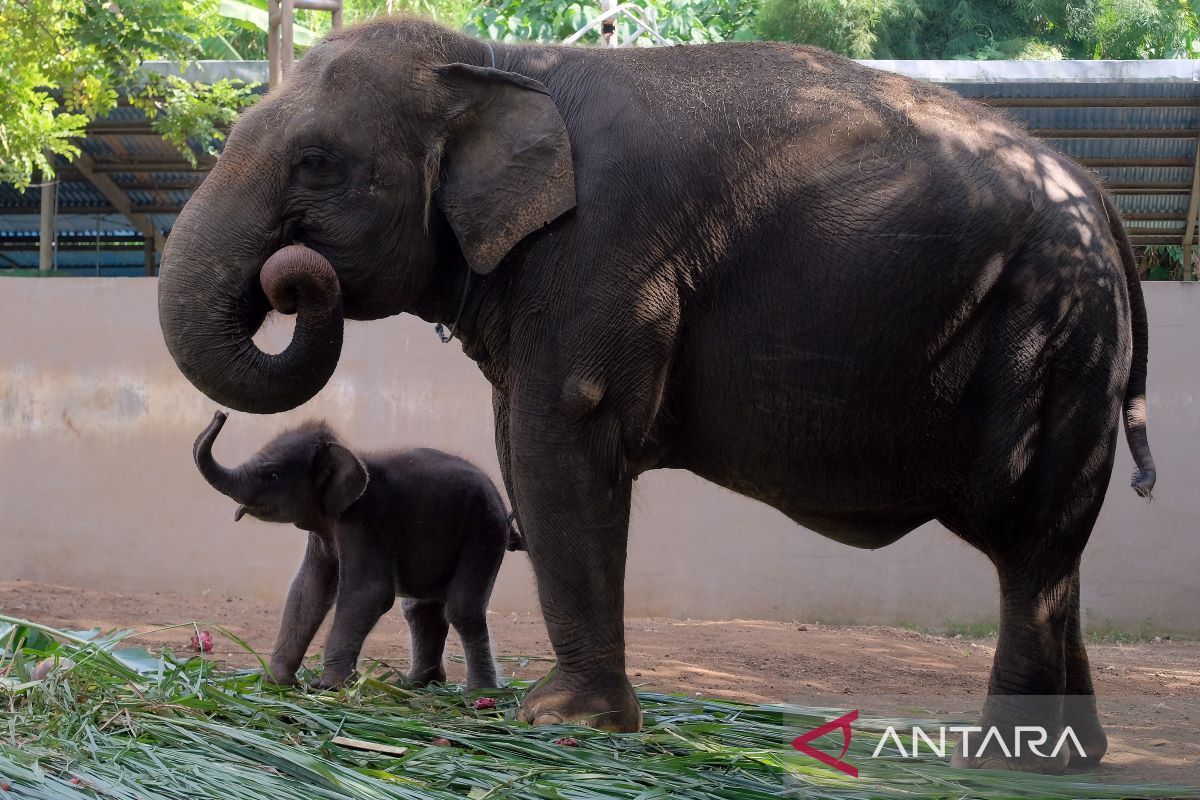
(843, 722)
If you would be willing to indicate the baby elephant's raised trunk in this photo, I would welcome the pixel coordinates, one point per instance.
(232, 483)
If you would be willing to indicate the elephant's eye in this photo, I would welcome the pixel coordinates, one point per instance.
(273, 477)
(319, 168)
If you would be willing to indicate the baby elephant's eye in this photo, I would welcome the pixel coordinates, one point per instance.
(273, 477)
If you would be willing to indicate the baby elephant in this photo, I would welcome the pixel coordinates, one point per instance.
(419, 524)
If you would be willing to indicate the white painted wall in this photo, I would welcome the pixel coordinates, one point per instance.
(97, 486)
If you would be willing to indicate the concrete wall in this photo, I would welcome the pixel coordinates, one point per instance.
(97, 486)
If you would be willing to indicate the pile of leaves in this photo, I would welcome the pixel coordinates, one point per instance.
(84, 715)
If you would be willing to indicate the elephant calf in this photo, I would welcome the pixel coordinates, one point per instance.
(419, 524)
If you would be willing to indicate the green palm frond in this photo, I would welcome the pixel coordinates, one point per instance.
(111, 721)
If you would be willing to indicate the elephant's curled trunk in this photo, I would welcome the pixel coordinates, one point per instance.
(209, 313)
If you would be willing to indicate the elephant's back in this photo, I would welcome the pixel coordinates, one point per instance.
(752, 90)
(754, 133)
(439, 478)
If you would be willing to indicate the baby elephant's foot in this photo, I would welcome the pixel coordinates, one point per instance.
(427, 675)
(483, 676)
(606, 702)
(280, 679)
(329, 679)
(281, 675)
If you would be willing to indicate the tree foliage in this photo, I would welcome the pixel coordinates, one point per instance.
(685, 21)
(66, 62)
(987, 29)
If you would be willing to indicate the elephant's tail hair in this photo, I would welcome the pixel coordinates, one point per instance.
(515, 540)
(1134, 405)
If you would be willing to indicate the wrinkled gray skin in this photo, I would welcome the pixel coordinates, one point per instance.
(419, 524)
(862, 300)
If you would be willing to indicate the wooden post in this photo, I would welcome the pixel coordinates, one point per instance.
(47, 230)
(274, 19)
(1193, 208)
(287, 36)
(148, 245)
(609, 36)
(281, 32)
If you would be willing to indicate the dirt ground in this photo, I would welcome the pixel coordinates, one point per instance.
(1149, 691)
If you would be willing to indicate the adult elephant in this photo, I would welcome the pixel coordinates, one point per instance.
(858, 298)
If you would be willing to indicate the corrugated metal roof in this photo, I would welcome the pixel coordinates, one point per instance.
(1158, 99)
(1073, 90)
(1058, 73)
(1156, 192)
(1162, 205)
(81, 262)
(13, 226)
(1182, 118)
(1126, 148)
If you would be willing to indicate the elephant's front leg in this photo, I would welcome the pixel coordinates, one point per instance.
(573, 495)
(366, 591)
(308, 602)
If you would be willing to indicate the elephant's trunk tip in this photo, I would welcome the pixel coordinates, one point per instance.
(230, 483)
(210, 337)
(294, 270)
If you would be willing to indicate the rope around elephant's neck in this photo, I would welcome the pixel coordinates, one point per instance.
(447, 334)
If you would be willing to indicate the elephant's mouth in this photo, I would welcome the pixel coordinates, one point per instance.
(258, 512)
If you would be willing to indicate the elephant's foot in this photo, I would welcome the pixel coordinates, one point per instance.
(606, 701)
(1043, 733)
(477, 683)
(1079, 714)
(330, 679)
(1044, 765)
(1021, 747)
(281, 675)
(427, 675)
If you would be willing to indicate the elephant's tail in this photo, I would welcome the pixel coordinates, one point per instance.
(515, 540)
(1134, 405)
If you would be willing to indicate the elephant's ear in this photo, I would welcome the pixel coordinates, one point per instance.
(506, 163)
(341, 478)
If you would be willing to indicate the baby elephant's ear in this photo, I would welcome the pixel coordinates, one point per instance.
(341, 478)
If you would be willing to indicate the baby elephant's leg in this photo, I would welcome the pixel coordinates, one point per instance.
(308, 602)
(466, 608)
(366, 590)
(470, 622)
(427, 629)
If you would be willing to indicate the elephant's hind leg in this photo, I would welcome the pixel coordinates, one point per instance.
(1035, 532)
(1035, 476)
(427, 629)
(1079, 705)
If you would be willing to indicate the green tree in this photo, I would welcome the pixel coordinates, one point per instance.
(849, 27)
(243, 30)
(987, 29)
(685, 21)
(64, 63)
(1132, 29)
